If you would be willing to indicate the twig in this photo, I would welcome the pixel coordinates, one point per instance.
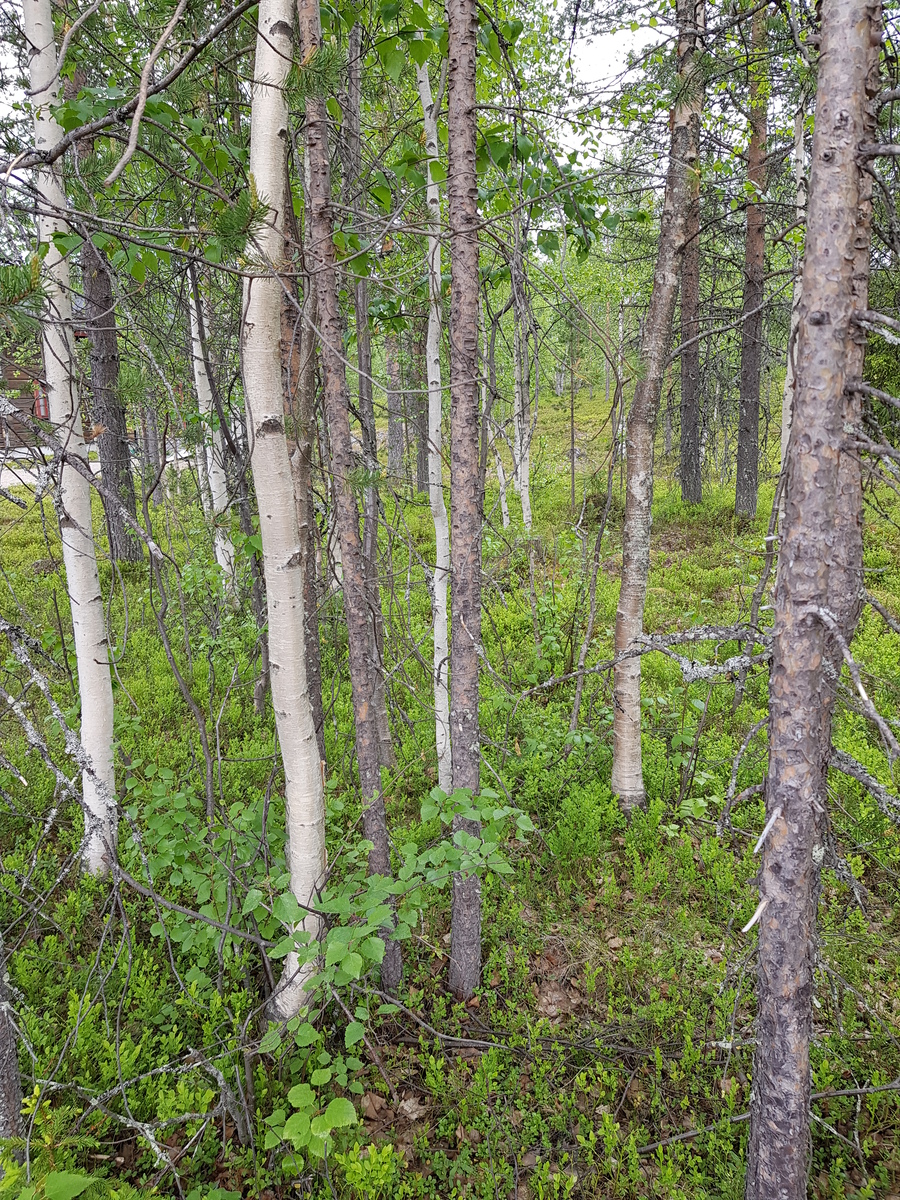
(142, 96)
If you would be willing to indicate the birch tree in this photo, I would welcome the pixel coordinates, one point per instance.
(441, 659)
(817, 593)
(465, 476)
(211, 450)
(74, 494)
(627, 776)
(282, 557)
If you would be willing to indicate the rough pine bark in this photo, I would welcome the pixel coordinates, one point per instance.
(74, 496)
(820, 560)
(337, 406)
(689, 463)
(298, 358)
(465, 491)
(754, 283)
(395, 435)
(627, 776)
(282, 555)
(107, 409)
(366, 400)
(787, 405)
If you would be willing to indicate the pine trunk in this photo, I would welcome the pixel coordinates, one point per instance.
(282, 555)
(395, 434)
(298, 358)
(754, 283)
(819, 567)
(355, 590)
(107, 410)
(627, 776)
(465, 492)
(691, 480)
(74, 497)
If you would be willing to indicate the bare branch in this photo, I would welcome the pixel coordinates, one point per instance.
(142, 96)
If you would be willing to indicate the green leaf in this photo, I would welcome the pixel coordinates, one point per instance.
(302, 1096)
(296, 1130)
(394, 62)
(62, 1185)
(355, 1032)
(270, 1041)
(420, 50)
(340, 1112)
(305, 1035)
(254, 896)
(438, 171)
(287, 909)
(352, 964)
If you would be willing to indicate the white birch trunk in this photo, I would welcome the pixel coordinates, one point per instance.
(435, 458)
(74, 500)
(522, 415)
(211, 457)
(282, 560)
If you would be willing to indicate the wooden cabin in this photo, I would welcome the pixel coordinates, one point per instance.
(22, 384)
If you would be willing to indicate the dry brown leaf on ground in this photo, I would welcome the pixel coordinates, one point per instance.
(412, 1108)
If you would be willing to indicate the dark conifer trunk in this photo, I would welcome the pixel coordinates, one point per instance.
(337, 406)
(627, 774)
(107, 409)
(754, 284)
(691, 484)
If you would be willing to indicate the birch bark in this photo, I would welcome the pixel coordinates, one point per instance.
(441, 659)
(74, 497)
(211, 449)
(465, 475)
(282, 557)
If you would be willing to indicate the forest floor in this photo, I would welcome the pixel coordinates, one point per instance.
(609, 1049)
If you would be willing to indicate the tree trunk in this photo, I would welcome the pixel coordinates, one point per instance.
(298, 358)
(395, 410)
(74, 497)
(211, 453)
(420, 408)
(10, 1078)
(465, 492)
(522, 379)
(362, 670)
(441, 660)
(819, 562)
(754, 281)
(282, 555)
(366, 403)
(627, 777)
(689, 463)
(107, 410)
(787, 404)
